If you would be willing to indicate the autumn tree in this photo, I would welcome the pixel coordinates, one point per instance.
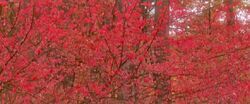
(123, 51)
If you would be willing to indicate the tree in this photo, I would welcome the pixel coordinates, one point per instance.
(118, 51)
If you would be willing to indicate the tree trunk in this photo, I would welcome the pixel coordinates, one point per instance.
(209, 18)
(162, 16)
(230, 17)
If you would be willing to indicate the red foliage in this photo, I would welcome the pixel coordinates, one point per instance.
(118, 51)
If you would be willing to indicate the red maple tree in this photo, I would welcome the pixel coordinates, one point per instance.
(123, 51)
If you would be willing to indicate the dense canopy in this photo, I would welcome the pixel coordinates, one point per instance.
(124, 51)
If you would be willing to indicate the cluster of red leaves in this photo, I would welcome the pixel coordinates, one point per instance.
(96, 51)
